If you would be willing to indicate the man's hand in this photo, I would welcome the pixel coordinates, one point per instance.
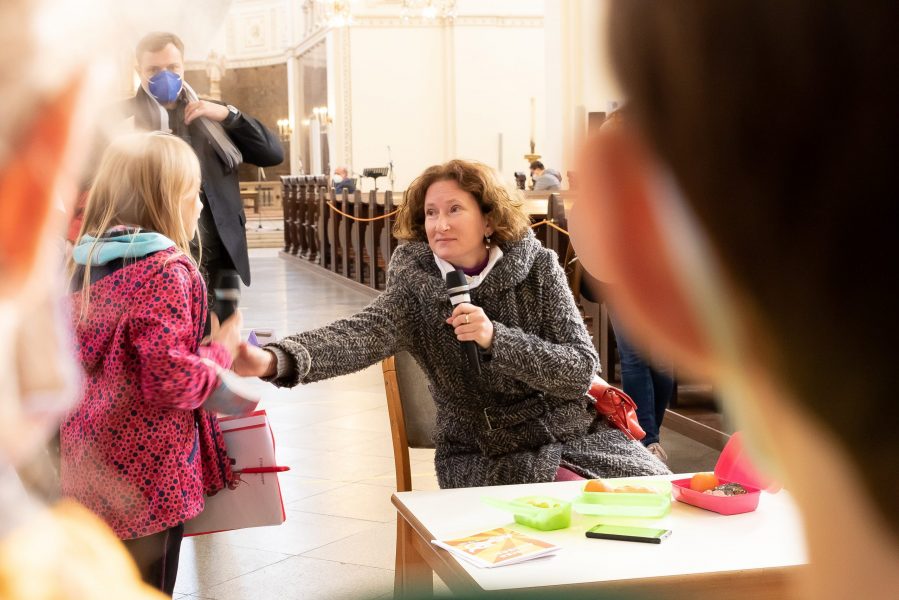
(252, 361)
(202, 108)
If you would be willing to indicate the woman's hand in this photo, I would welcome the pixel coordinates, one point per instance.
(252, 361)
(228, 333)
(472, 325)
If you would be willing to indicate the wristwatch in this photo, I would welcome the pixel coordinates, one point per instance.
(233, 114)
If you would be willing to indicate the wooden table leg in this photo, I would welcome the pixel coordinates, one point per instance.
(414, 578)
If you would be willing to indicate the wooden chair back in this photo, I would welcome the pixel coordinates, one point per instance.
(411, 410)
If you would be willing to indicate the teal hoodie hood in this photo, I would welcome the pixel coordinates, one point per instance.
(119, 243)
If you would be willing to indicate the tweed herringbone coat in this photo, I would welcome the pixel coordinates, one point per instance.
(526, 413)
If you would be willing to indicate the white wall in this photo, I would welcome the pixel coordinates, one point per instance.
(578, 78)
(399, 99)
(434, 92)
(498, 71)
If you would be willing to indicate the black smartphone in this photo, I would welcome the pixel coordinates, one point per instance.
(627, 533)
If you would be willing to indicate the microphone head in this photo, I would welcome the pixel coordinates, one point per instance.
(457, 287)
(227, 279)
(456, 279)
(227, 285)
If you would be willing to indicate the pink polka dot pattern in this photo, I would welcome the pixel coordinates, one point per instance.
(138, 450)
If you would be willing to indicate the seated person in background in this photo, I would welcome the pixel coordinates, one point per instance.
(525, 418)
(545, 179)
(754, 243)
(342, 181)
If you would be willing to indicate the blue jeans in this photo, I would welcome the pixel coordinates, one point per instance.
(651, 388)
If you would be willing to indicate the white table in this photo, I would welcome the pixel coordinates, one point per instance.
(753, 555)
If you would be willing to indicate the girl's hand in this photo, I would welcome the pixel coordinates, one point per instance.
(228, 333)
(253, 361)
(472, 325)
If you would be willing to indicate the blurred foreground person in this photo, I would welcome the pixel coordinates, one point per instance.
(64, 552)
(761, 242)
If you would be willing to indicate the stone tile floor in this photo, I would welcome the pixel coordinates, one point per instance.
(339, 538)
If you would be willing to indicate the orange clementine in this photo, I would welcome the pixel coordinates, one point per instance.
(703, 481)
(596, 485)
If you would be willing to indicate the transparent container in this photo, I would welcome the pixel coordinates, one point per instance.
(538, 512)
(624, 504)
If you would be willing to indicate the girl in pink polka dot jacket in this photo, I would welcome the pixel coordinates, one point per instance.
(138, 449)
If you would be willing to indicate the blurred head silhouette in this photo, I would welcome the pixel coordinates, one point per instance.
(56, 75)
(42, 87)
(752, 239)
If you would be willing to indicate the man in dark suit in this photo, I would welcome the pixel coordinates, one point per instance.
(222, 138)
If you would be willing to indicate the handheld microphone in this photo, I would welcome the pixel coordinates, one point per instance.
(226, 293)
(457, 287)
(233, 396)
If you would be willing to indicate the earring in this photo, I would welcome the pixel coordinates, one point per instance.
(487, 242)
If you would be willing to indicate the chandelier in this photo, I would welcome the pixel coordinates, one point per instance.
(337, 13)
(428, 10)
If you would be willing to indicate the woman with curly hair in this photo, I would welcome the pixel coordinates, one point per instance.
(525, 417)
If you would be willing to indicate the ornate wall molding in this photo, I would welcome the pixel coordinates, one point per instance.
(317, 37)
(255, 30)
(499, 21)
(259, 61)
(459, 21)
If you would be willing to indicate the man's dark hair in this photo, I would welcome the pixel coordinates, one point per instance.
(156, 41)
(537, 165)
(778, 120)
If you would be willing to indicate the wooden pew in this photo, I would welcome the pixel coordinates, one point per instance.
(286, 208)
(297, 188)
(334, 225)
(372, 256)
(343, 233)
(555, 239)
(300, 217)
(387, 241)
(325, 252)
(356, 236)
(313, 207)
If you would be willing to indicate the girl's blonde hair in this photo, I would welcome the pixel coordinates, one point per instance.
(502, 206)
(144, 181)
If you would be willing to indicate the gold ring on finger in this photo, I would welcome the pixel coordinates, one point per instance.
(467, 320)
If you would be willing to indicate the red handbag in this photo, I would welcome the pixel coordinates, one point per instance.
(617, 407)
